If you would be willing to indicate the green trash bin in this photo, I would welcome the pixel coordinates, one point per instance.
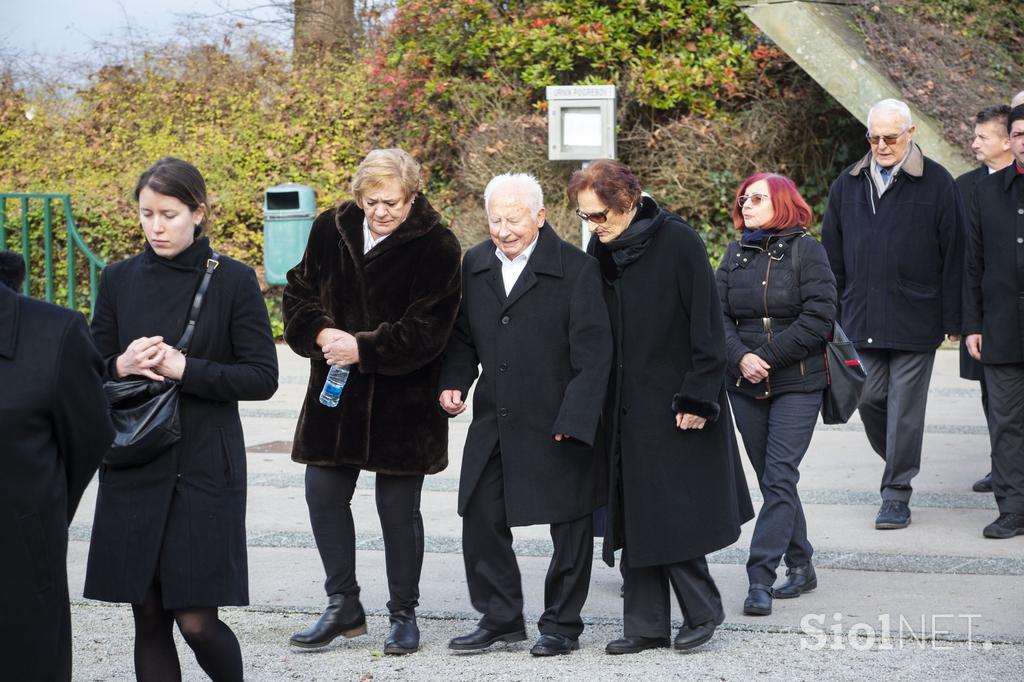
(288, 213)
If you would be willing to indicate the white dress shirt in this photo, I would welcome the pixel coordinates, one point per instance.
(511, 269)
(370, 240)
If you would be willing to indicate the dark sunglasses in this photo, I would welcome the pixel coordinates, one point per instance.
(598, 218)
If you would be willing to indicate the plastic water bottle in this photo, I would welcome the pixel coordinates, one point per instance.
(334, 385)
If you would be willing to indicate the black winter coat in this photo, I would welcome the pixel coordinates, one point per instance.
(55, 429)
(969, 367)
(399, 301)
(546, 352)
(898, 259)
(769, 312)
(181, 518)
(673, 495)
(994, 288)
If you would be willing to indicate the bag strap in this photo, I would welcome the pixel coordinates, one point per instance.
(197, 304)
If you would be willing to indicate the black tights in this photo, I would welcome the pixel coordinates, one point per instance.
(213, 643)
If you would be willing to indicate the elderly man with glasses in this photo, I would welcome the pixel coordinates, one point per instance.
(894, 230)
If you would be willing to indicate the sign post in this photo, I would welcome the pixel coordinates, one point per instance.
(581, 126)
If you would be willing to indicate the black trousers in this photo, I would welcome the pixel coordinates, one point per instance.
(892, 409)
(329, 496)
(1006, 431)
(492, 573)
(647, 609)
(776, 433)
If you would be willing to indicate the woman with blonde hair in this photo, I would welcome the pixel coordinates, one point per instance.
(377, 291)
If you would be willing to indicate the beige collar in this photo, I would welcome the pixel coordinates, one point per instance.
(913, 165)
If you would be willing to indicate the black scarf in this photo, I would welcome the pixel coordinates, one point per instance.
(752, 236)
(634, 240)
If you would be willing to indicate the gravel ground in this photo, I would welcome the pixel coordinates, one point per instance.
(102, 651)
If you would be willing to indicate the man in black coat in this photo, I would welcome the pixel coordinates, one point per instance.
(533, 317)
(994, 323)
(991, 146)
(894, 231)
(55, 426)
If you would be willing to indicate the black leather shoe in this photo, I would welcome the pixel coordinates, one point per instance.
(893, 514)
(404, 637)
(758, 601)
(1006, 526)
(634, 645)
(983, 484)
(693, 637)
(799, 579)
(343, 616)
(482, 638)
(554, 644)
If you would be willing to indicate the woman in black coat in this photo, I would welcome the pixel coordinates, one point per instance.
(169, 536)
(377, 290)
(779, 301)
(55, 426)
(677, 488)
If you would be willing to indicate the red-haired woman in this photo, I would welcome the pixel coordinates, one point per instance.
(778, 307)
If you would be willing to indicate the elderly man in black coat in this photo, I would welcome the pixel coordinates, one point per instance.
(55, 426)
(894, 231)
(994, 323)
(533, 317)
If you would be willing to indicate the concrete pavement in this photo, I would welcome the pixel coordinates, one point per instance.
(935, 600)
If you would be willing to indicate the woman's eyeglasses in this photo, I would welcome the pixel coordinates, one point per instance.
(754, 199)
(597, 218)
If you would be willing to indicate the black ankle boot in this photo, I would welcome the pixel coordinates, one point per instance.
(343, 616)
(404, 637)
(758, 601)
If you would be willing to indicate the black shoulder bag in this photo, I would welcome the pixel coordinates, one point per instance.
(843, 369)
(145, 412)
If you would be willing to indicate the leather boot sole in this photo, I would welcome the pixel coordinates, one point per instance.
(756, 611)
(1001, 534)
(347, 634)
(395, 650)
(887, 525)
(510, 637)
(693, 644)
(622, 650)
(810, 586)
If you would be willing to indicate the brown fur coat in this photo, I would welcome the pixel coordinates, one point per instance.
(400, 301)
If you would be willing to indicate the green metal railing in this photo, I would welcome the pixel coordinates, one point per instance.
(73, 244)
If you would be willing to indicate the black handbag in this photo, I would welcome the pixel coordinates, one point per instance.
(846, 378)
(843, 369)
(145, 413)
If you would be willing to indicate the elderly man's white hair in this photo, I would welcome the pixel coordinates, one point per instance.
(1017, 100)
(523, 184)
(891, 106)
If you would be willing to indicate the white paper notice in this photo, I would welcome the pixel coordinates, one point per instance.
(581, 128)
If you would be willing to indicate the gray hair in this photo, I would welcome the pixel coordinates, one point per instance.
(1017, 100)
(525, 186)
(891, 106)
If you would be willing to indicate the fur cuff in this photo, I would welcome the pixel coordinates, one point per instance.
(701, 408)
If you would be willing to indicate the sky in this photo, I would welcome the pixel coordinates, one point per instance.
(70, 29)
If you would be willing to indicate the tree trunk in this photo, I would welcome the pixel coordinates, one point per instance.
(324, 23)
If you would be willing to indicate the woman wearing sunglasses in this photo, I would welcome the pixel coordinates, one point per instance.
(778, 307)
(677, 490)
